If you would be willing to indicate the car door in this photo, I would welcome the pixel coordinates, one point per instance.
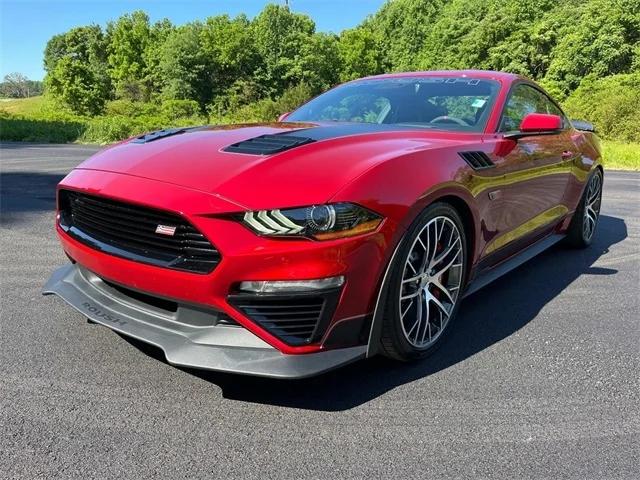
(534, 173)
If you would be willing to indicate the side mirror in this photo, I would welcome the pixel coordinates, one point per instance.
(540, 122)
(282, 117)
(537, 124)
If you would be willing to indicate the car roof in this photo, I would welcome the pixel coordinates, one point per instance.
(504, 77)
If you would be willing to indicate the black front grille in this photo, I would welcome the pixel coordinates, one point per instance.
(129, 231)
(295, 319)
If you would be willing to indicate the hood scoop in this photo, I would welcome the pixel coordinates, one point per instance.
(158, 134)
(268, 144)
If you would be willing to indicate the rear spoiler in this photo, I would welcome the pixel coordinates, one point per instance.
(583, 126)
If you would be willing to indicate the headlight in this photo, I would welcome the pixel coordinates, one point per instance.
(321, 222)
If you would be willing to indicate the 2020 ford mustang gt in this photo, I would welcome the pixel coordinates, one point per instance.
(353, 226)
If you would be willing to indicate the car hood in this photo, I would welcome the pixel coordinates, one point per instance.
(327, 157)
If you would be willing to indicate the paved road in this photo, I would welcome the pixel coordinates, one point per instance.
(539, 379)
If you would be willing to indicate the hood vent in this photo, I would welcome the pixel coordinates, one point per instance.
(157, 135)
(268, 144)
(477, 160)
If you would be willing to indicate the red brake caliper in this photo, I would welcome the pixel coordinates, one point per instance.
(436, 293)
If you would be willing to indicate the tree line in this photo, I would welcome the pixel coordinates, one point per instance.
(17, 85)
(223, 63)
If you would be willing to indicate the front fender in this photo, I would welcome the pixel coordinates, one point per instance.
(400, 188)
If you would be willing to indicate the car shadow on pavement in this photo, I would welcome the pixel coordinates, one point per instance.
(485, 318)
(25, 192)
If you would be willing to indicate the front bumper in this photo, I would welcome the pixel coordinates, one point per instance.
(205, 345)
(244, 257)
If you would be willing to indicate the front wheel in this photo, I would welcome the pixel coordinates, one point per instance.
(426, 281)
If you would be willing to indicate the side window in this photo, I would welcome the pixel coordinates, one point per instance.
(551, 108)
(522, 101)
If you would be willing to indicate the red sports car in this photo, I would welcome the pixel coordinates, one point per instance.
(353, 226)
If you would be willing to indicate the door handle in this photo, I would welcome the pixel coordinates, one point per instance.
(567, 154)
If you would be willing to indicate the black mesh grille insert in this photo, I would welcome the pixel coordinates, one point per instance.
(130, 231)
(267, 144)
(477, 160)
(296, 319)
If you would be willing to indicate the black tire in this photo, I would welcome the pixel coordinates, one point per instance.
(394, 340)
(578, 236)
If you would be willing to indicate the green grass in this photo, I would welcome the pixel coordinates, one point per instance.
(621, 156)
(23, 106)
(41, 119)
(38, 119)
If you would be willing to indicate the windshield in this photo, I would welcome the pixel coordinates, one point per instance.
(443, 103)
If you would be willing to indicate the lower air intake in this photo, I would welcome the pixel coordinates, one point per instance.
(295, 319)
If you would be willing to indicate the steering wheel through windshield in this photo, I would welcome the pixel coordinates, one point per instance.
(447, 119)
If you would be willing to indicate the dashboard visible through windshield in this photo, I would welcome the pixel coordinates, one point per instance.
(443, 103)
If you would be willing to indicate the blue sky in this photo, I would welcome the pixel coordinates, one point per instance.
(26, 25)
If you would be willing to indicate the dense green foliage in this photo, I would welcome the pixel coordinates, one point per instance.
(135, 75)
(557, 43)
(611, 103)
(222, 63)
(77, 71)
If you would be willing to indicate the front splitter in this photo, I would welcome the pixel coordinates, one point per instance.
(225, 349)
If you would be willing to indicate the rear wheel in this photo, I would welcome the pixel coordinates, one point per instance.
(425, 284)
(585, 219)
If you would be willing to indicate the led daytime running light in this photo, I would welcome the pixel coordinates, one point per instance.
(284, 286)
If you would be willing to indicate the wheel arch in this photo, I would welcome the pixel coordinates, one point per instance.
(468, 216)
(468, 223)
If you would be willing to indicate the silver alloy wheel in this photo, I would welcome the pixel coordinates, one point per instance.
(431, 281)
(592, 206)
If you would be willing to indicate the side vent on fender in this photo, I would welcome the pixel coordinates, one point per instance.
(267, 144)
(477, 160)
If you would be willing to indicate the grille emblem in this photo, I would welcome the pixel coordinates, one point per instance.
(166, 230)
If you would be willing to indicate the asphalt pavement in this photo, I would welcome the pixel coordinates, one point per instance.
(540, 377)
